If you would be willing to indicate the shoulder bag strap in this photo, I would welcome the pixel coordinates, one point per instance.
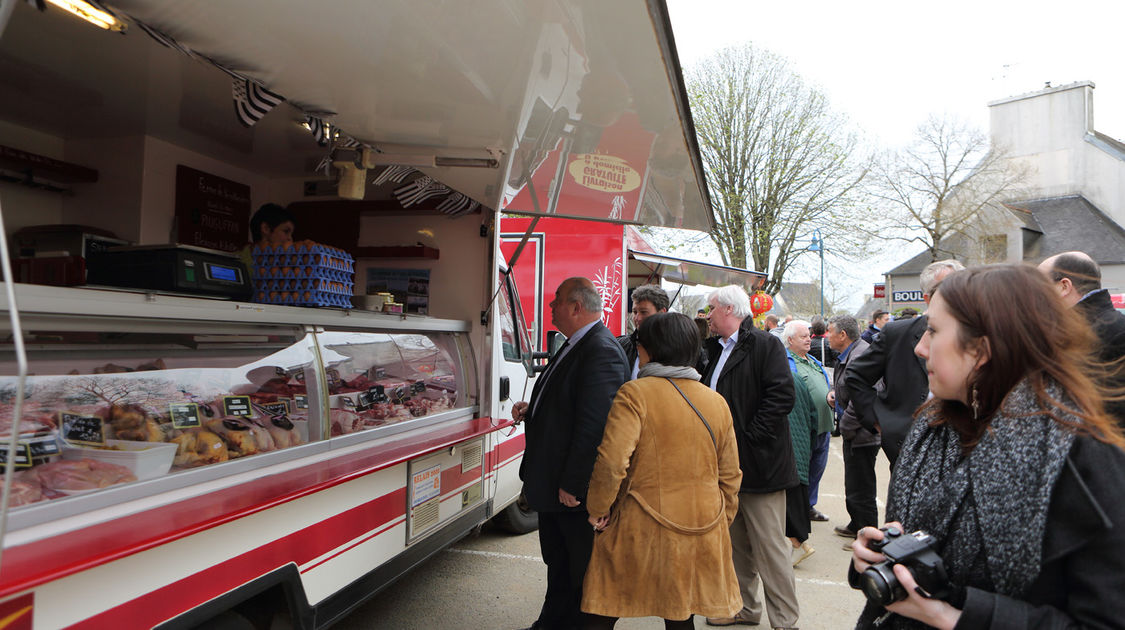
(693, 408)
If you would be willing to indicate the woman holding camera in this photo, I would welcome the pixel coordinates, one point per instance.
(664, 491)
(1013, 468)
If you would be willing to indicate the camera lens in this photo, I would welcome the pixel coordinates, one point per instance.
(880, 584)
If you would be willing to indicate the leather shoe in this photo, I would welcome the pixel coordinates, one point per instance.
(844, 531)
(817, 515)
(737, 620)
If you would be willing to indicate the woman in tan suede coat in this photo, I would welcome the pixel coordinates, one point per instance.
(664, 491)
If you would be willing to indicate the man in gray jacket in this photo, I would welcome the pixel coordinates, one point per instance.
(861, 446)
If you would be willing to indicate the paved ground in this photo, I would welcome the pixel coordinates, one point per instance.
(495, 580)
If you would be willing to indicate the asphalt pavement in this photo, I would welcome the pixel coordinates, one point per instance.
(494, 580)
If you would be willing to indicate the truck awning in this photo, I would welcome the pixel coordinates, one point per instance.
(691, 273)
(484, 97)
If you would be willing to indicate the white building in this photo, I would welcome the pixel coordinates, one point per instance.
(1074, 195)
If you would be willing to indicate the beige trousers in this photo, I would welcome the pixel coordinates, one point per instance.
(761, 554)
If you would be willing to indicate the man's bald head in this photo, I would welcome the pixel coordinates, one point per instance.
(1074, 273)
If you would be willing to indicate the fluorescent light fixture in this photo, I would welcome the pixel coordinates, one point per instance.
(93, 15)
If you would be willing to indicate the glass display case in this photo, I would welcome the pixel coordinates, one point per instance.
(119, 400)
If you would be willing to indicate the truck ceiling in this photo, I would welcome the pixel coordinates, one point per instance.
(484, 97)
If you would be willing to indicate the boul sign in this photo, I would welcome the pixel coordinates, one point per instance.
(907, 296)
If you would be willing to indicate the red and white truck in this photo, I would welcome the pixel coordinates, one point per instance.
(178, 460)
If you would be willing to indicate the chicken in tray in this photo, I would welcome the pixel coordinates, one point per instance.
(132, 422)
(242, 436)
(199, 447)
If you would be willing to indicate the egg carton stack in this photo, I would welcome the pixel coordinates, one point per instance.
(303, 274)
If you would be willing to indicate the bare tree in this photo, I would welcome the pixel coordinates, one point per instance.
(688, 303)
(949, 182)
(779, 161)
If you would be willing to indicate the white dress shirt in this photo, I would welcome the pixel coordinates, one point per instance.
(728, 345)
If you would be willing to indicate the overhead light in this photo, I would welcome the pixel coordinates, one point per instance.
(91, 14)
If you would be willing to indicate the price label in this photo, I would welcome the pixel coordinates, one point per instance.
(400, 394)
(333, 378)
(377, 373)
(372, 396)
(43, 446)
(417, 387)
(23, 455)
(82, 429)
(276, 408)
(301, 401)
(237, 406)
(347, 402)
(185, 415)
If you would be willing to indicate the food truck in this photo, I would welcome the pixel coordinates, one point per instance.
(191, 440)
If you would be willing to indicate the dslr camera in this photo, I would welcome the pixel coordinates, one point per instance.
(914, 551)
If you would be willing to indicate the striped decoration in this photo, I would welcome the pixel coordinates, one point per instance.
(321, 129)
(252, 101)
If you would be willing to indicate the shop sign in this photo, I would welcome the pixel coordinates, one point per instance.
(907, 296)
(880, 292)
(211, 211)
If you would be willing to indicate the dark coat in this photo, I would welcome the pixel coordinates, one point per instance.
(1109, 327)
(570, 410)
(905, 384)
(1079, 582)
(758, 387)
(629, 347)
(868, 335)
(819, 346)
(850, 427)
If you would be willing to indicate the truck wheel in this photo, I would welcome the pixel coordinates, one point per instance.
(518, 518)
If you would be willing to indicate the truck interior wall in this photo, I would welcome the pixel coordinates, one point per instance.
(22, 205)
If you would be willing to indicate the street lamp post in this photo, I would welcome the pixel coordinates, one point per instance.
(817, 245)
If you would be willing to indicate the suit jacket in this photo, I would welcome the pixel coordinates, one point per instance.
(1109, 326)
(568, 412)
(905, 384)
(629, 347)
(850, 426)
(758, 387)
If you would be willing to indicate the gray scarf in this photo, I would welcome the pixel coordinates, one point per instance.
(652, 368)
(988, 511)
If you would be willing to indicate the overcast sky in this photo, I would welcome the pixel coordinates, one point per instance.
(889, 65)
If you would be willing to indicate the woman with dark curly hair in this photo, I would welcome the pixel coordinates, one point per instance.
(1013, 467)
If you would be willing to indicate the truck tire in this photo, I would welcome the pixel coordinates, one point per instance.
(518, 518)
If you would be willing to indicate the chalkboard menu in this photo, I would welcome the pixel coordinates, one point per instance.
(185, 416)
(81, 429)
(237, 406)
(300, 401)
(276, 408)
(211, 212)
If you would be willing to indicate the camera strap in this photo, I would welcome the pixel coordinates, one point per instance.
(696, 410)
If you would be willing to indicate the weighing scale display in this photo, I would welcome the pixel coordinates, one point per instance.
(224, 274)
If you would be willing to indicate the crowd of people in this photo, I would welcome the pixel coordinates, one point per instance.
(676, 471)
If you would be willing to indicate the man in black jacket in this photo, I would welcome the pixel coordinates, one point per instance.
(750, 369)
(565, 420)
(648, 300)
(861, 446)
(1079, 282)
(891, 359)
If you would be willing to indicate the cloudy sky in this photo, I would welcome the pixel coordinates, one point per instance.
(889, 65)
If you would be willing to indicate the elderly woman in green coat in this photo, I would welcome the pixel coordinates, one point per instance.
(802, 433)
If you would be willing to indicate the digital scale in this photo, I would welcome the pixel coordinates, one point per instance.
(172, 268)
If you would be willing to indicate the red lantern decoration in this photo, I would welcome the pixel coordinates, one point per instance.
(760, 302)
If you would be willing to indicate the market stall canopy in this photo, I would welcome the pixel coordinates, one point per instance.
(483, 97)
(691, 273)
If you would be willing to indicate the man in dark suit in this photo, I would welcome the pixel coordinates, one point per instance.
(861, 446)
(648, 300)
(1079, 282)
(891, 359)
(565, 420)
(750, 369)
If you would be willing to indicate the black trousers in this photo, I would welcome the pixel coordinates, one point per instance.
(859, 485)
(597, 622)
(566, 541)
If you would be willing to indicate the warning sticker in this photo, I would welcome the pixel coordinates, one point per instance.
(426, 484)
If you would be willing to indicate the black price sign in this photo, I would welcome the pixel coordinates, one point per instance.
(417, 387)
(347, 402)
(301, 401)
(372, 396)
(23, 455)
(44, 446)
(82, 429)
(333, 378)
(237, 406)
(276, 408)
(400, 394)
(185, 416)
(377, 373)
